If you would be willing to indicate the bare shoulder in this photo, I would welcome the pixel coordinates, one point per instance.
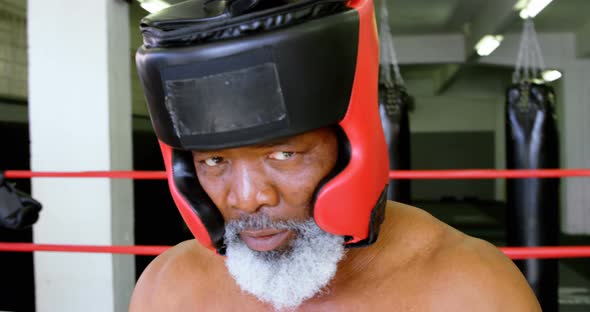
(183, 269)
(483, 275)
(461, 273)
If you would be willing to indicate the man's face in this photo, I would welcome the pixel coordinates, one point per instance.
(275, 250)
(277, 179)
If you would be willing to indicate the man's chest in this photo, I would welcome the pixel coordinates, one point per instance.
(365, 300)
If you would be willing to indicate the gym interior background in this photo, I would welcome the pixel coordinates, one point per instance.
(457, 123)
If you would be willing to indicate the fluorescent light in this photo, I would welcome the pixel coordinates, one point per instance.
(153, 6)
(521, 4)
(488, 44)
(533, 8)
(551, 75)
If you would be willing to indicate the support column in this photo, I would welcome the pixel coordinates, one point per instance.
(80, 119)
(575, 134)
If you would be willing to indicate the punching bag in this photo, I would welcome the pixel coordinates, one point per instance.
(394, 103)
(17, 210)
(533, 204)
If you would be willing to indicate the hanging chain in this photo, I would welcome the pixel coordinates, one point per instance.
(387, 54)
(529, 63)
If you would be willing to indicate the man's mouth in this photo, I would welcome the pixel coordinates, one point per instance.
(265, 240)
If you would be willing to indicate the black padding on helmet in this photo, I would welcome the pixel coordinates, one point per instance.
(315, 64)
(188, 185)
(194, 22)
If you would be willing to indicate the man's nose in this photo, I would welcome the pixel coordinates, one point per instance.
(251, 189)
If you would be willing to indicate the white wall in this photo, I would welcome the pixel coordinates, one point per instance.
(470, 105)
(453, 114)
(575, 131)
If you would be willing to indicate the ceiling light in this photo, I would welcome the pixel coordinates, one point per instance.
(521, 4)
(488, 44)
(533, 7)
(153, 6)
(551, 75)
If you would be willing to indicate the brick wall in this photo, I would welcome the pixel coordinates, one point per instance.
(13, 49)
(136, 13)
(13, 63)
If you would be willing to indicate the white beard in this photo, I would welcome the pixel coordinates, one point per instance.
(284, 278)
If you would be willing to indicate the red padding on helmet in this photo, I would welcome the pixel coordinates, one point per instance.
(344, 204)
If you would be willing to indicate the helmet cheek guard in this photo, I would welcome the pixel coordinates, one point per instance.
(360, 184)
(216, 78)
(196, 208)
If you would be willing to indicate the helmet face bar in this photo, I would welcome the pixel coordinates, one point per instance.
(210, 84)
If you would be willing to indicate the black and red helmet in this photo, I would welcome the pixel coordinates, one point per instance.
(221, 74)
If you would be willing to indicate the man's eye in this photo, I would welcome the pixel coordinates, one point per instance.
(213, 161)
(281, 155)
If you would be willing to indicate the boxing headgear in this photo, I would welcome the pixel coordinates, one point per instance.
(222, 74)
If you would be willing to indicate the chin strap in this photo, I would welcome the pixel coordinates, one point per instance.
(377, 218)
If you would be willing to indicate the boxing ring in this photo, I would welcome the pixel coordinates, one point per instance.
(515, 253)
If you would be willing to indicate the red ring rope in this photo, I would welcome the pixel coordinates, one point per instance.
(397, 174)
(557, 252)
(514, 253)
(129, 250)
(137, 175)
(488, 173)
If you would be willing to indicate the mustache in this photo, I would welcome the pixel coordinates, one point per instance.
(261, 221)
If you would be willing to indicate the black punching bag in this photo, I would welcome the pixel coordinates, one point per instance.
(394, 103)
(18, 210)
(533, 204)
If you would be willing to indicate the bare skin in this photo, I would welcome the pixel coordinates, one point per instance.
(417, 264)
